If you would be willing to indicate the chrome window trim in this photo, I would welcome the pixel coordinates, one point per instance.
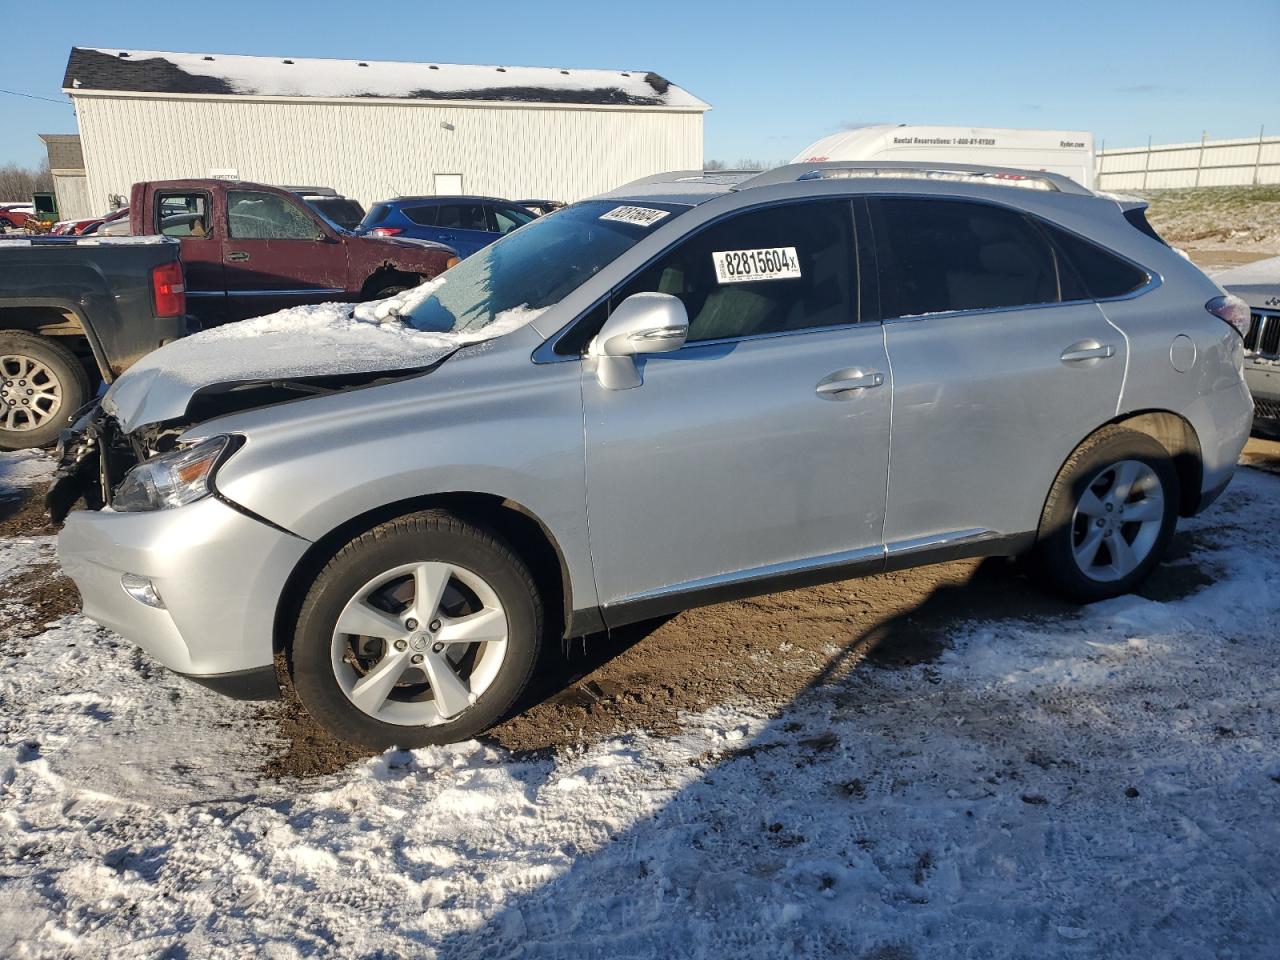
(1154, 281)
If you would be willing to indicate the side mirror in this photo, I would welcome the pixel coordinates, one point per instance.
(642, 323)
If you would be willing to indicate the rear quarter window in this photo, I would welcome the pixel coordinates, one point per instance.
(1094, 273)
(422, 215)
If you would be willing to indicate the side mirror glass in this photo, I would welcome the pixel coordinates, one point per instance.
(642, 323)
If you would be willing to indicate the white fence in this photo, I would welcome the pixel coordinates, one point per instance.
(1204, 163)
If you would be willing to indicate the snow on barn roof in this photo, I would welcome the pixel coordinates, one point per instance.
(215, 74)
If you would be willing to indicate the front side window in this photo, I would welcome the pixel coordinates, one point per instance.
(942, 255)
(775, 270)
(519, 276)
(506, 219)
(183, 215)
(462, 216)
(266, 216)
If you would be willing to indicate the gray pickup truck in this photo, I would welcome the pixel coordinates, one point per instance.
(75, 313)
(1258, 285)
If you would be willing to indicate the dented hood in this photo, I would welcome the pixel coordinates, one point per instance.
(323, 342)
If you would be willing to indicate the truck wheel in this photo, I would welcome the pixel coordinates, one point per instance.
(42, 385)
(422, 631)
(389, 289)
(1109, 516)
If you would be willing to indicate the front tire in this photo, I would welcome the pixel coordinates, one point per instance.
(42, 385)
(422, 631)
(1109, 516)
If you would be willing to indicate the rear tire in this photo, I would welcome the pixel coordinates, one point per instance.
(42, 385)
(425, 630)
(1109, 516)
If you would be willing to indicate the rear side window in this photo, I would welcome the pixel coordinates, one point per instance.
(942, 255)
(183, 215)
(506, 219)
(423, 216)
(1098, 274)
(775, 270)
(462, 216)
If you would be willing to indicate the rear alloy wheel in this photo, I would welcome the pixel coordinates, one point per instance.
(42, 385)
(1109, 517)
(424, 630)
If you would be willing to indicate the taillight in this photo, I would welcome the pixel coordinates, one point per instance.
(1233, 310)
(385, 231)
(168, 291)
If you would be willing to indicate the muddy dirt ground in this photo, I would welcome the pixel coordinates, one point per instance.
(766, 649)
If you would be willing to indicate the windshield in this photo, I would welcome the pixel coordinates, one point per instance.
(537, 266)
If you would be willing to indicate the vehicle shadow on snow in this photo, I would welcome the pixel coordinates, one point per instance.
(890, 811)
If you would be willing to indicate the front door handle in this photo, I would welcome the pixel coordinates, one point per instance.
(237, 256)
(844, 384)
(1087, 350)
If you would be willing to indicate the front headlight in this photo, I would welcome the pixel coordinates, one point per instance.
(171, 479)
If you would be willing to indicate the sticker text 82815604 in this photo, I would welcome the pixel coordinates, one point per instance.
(743, 266)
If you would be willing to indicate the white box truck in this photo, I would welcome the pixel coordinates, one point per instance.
(1068, 152)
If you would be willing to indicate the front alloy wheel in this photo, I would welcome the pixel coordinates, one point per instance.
(419, 644)
(423, 630)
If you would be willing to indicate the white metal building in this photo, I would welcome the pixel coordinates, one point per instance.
(375, 129)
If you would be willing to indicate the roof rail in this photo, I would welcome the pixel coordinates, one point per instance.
(907, 170)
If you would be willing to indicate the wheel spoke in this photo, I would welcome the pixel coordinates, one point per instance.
(1142, 511)
(362, 620)
(1091, 504)
(1126, 474)
(371, 691)
(429, 581)
(1087, 552)
(452, 695)
(1122, 556)
(487, 626)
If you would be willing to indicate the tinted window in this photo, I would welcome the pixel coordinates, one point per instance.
(344, 212)
(768, 271)
(1100, 274)
(377, 213)
(940, 255)
(183, 215)
(506, 219)
(424, 216)
(266, 216)
(462, 216)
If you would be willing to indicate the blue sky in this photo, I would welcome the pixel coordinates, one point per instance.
(779, 74)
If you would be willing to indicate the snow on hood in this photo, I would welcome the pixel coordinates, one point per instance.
(308, 341)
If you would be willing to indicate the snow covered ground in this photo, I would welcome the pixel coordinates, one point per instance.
(1099, 785)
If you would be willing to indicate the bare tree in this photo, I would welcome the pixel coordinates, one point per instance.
(713, 165)
(19, 182)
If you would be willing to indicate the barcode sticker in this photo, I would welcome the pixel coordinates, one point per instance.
(744, 266)
(637, 216)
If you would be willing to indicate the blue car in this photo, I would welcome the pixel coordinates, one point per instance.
(466, 224)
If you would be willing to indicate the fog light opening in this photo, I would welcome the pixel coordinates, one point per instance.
(142, 590)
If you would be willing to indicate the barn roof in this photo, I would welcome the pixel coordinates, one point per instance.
(217, 74)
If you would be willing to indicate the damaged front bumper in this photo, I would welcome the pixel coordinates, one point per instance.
(217, 572)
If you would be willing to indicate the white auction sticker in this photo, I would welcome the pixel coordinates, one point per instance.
(638, 216)
(742, 266)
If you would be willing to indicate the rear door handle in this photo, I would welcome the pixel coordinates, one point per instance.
(237, 256)
(843, 384)
(1087, 350)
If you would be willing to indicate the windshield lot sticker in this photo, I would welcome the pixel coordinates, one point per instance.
(637, 216)
(743, 266)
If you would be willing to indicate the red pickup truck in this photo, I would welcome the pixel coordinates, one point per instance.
(250, 249)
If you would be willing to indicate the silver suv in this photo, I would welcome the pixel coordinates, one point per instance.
(690, 390)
